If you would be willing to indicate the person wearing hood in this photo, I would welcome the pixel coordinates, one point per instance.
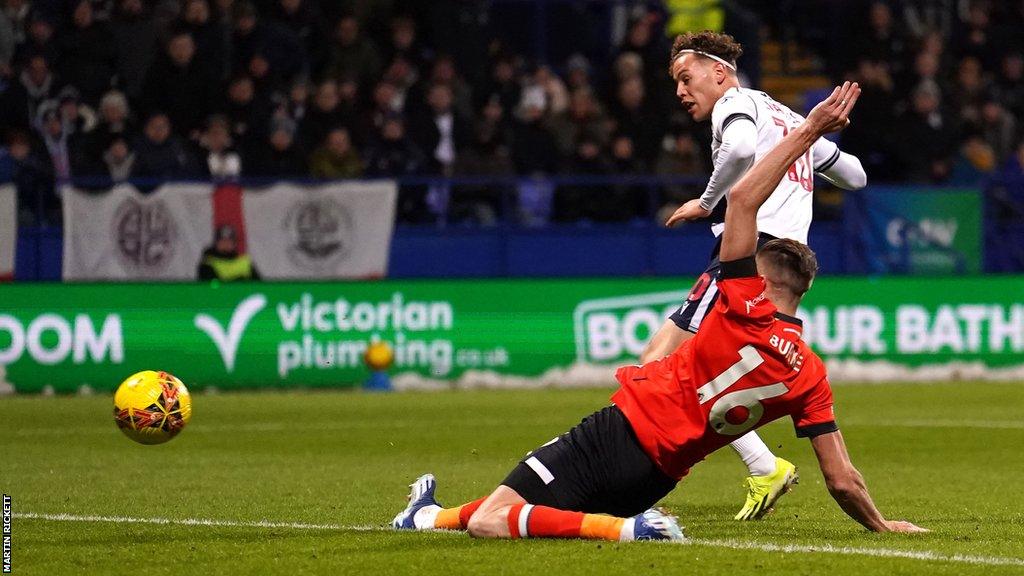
(55, 137)
(223, 261)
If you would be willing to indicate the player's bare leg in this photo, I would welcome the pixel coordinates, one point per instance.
(770, 477)
(491, 519)
(506, 514)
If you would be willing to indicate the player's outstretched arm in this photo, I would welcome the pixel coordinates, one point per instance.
(846, 485)
(736, 154)
(841, 169)
(740, 237)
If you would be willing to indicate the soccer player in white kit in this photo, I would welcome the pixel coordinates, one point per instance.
(745, 125)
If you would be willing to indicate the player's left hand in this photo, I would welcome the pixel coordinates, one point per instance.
(904, 527)
(833, 113)
(691, 210)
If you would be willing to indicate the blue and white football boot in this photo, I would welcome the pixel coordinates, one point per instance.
(657, 525)
(422, 505)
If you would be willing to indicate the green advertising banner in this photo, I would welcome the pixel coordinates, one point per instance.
(314, 335)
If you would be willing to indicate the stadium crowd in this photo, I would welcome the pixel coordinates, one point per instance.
(166, 89)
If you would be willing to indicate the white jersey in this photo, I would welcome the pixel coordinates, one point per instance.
(787, 212)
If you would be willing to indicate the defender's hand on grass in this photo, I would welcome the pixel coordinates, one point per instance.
(688, 212)
(833, 113)
(904, 527)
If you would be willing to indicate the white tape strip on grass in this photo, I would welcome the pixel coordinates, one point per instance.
(192, 522)
(730, 544)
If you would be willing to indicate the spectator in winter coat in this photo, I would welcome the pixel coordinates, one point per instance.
(394, 154)
(209, 36)
(181, 86)
(118, 160)
(32, 175)
(55, 138)
(38, 82)
(303, 19)
(255, 38)
(280, 155)
(162, 154)
(39, 39)
(135, 37)
(220, 160)
(248, 111)
(336, 158)
(352, 53)
(440, 130)
(88, 53)
(927, 138)
(114, 121)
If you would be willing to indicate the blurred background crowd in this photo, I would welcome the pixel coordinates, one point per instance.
(112, 90)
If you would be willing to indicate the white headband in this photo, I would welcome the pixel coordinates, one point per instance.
(729, 65)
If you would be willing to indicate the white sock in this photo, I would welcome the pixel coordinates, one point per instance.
(627, 533)
(424, 518)
(755, 454)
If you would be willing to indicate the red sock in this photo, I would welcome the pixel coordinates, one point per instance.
(528, 521)
(467, 510)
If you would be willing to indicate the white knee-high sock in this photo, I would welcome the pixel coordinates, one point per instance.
(755, 454)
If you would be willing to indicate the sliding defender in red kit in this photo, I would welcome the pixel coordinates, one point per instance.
(747, 366)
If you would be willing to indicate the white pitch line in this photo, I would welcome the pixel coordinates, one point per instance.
(730, 544)
(984, 424)
(851, 551)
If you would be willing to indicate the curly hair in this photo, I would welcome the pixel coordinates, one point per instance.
(722, 45)
(792, 264)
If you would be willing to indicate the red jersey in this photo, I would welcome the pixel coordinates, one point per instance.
(746, 367)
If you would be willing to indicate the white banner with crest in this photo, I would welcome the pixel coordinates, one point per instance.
(122, 234)
(330, 231)
(337, 230)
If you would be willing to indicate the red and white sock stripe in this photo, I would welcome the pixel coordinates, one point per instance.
(519, 520)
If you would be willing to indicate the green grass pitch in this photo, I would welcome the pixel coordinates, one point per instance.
(947, 456)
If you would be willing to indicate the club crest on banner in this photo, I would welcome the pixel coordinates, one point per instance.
(146, 235)
(319, 233)
(335, 230)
